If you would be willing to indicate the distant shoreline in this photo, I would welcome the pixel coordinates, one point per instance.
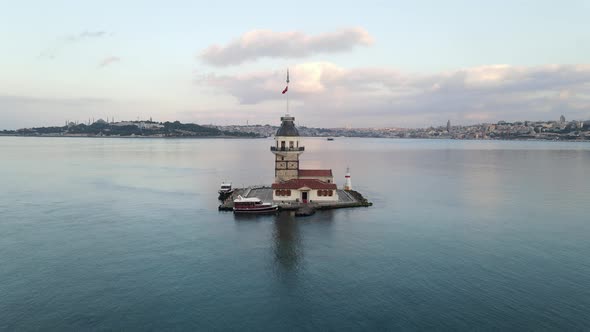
(321, 137)
(152, 137)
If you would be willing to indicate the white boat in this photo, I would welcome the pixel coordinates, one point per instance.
(253, 205)
(225, 190)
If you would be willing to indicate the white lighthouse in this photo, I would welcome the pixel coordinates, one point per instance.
(348, 183)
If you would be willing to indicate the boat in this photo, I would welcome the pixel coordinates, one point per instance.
(253, 205)
(330, 138)
(225, 190)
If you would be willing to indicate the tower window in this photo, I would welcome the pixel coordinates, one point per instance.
(291, 145)
(282, 144)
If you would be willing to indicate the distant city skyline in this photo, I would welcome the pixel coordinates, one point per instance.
(447, 125)
(386, 64)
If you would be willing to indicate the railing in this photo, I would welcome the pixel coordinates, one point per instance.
(274, 148)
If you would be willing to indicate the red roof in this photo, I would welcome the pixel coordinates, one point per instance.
(300, 183)
(315, 172)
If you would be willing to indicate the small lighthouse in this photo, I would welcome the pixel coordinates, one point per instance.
(347, 184)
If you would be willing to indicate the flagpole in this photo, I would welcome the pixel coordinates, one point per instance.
(287, 90)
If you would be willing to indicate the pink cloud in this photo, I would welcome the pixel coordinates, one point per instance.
(372, 95)
(256, 44)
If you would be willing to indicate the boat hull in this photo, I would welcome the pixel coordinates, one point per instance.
(223, 195)
(264, 209)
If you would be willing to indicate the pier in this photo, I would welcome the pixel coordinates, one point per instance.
(346, 199)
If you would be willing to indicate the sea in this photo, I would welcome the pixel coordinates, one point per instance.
(124, 234)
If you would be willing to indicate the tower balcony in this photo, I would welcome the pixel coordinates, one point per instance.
(286, 149)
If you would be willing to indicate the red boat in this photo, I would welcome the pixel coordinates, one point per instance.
(253, 205)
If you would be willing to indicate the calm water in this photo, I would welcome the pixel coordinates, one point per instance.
(124, 234)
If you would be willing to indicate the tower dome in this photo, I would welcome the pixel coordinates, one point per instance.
(287, 126)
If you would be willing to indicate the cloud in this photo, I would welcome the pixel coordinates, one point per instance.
(265, 43)
(108, 60)
(328, 94)
(52, 51)
(86, 35)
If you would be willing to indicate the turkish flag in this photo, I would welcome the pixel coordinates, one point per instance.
(286, 88)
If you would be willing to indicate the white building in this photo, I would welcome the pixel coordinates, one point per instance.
(141, 124)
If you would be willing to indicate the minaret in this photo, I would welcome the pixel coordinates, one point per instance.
(348, 183)
(287, 150)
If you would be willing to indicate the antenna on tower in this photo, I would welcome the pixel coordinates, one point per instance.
(287, 89)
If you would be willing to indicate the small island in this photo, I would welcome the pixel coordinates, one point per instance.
(295, 188)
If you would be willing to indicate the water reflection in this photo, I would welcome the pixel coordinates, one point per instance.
(250, 216)
(286, 239)
(287, 247)
(326, 217)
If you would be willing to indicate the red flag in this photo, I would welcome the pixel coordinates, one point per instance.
(286, 88)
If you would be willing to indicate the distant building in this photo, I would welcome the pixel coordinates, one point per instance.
(124, 123)
(149, 125)
(562, 119)
(449, 126)
(141, 125)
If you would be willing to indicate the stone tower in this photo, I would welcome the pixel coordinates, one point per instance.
(287, 150)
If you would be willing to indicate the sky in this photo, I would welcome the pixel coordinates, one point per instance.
(356, 64)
